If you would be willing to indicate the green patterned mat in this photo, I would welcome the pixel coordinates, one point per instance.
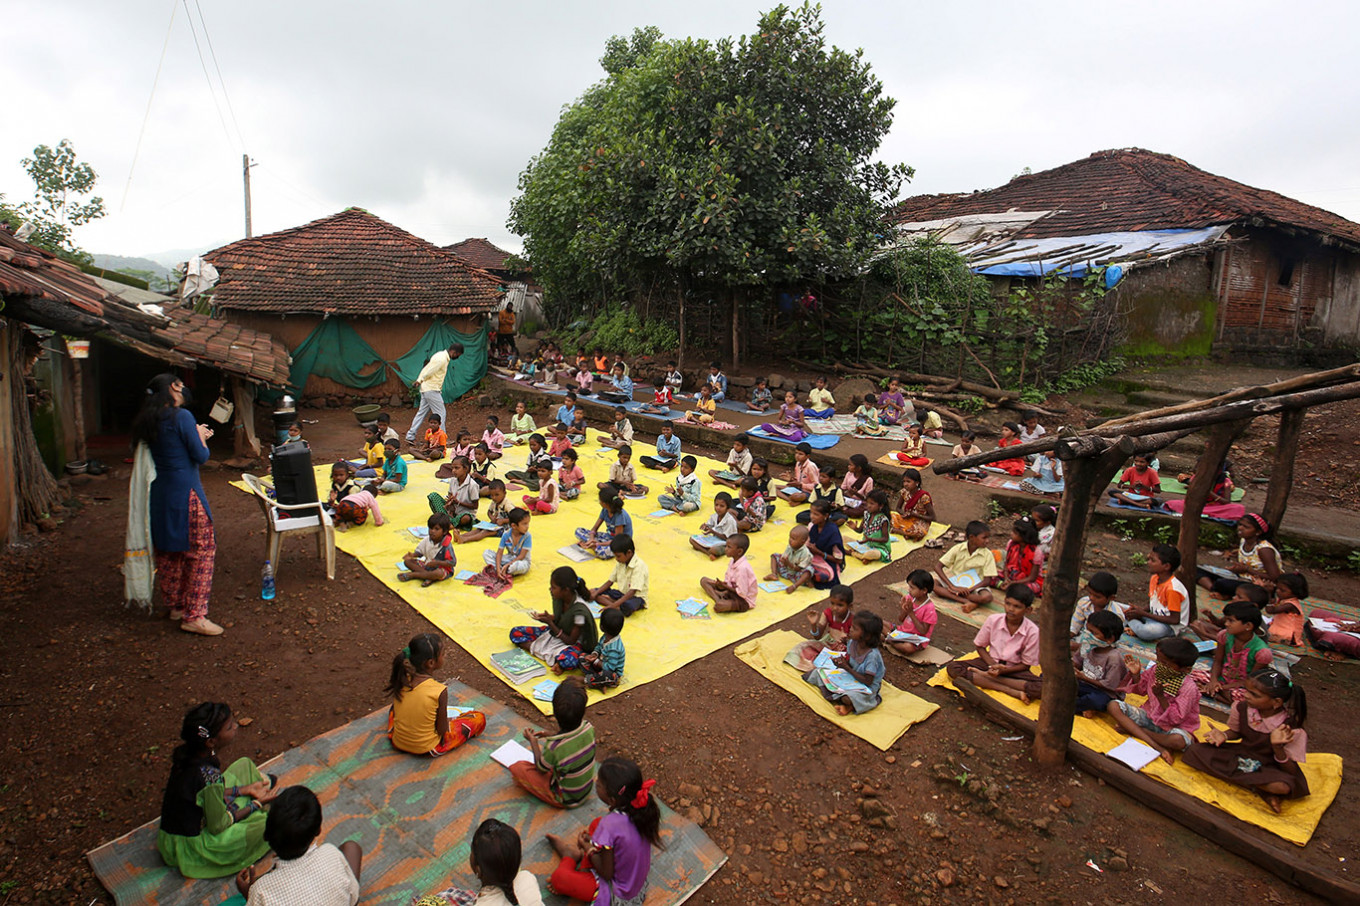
(413, 816)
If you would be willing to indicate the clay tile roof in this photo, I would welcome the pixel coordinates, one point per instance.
(351, 263)
(479, 253)
(1131, 189)
(26, 270)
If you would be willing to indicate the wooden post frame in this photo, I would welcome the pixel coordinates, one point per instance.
(1221, 439)
(1282, 469)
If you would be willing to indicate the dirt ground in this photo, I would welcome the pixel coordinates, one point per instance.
(93, 695)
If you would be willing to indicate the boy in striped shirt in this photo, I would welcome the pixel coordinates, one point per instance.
(562, 773)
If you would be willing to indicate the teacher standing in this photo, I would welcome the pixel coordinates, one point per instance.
(177, 508)
(430, 384)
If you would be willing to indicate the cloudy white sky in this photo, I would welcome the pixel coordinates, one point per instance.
(425, 113)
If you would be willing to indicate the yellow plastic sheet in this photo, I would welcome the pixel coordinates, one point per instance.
(880, 727)
(1297, 821)
(658, 641)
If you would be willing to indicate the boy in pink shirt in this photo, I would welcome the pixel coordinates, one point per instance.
(1170, 716)
(804, 477)
(736, 591)
(1007, 646)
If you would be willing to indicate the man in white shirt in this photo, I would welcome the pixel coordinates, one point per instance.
(430, 384)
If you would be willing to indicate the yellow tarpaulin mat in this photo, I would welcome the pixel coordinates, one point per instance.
(658, 640)
(881, 727)
(1296, 822)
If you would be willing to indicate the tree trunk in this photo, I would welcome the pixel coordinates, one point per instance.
(1221, 439)
(734, 299)
(38, 491)
(1282, 470)
(78, 402)
(680, 354)
(1086, 481)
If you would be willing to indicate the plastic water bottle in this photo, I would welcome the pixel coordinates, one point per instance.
(267, 582)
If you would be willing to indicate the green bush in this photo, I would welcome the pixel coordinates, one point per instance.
(618, 329)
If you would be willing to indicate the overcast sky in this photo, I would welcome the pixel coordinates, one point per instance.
(425, 113)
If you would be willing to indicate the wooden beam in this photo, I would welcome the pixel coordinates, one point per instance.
(1197, 495)
(1302, 382)
(1282, 469)
(1087, 479)
(1231, 833)
(1185, 421)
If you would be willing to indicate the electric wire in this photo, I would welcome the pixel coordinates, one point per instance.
(220, 81)
(146, 117)
(203, 63)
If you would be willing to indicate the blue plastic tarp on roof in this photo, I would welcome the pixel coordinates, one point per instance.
(1046, 256)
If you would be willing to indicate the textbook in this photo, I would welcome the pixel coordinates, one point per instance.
(772, 586)
(1134, 753)
(898, 635)
(838, 680)
(512, 753)
(1206, 647)
(690, 606)
(544, 690)
(576, 553)
(419, 531)
(517, 665)
(486, 526)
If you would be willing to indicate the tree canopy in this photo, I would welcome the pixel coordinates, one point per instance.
(59, 180)
(716, 166)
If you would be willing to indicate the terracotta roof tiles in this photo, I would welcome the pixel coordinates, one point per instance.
(1130, 189)
(351, 263)
(479, 253)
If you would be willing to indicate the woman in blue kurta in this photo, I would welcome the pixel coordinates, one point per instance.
(181, 523)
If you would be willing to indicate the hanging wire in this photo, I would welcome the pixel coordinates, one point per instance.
(147, 116)
(220, 81)
(203, 63)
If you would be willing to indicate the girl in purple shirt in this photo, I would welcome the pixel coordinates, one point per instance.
(608, 863)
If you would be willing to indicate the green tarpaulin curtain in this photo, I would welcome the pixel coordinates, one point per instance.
(464, 374)
(335, 350)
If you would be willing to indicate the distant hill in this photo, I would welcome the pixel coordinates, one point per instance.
(161, 276)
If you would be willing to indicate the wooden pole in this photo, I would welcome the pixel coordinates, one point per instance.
(78, 402)
(736, 336)
(1086, 480)
(1282, 470)
(1197, 495)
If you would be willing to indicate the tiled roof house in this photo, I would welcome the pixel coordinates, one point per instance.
(481, 253)
(1204, 259)
(386, 283)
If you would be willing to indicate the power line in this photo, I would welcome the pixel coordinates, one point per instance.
(221, 81)
(203, 63)
(147, 116)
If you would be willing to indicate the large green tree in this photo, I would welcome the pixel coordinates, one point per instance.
(712, 167)
(60, 181)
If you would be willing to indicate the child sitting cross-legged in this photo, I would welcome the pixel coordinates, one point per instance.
(462, 445)
(1169, 718)
(342, 484)
(432, 446)
(546, 500)
(831, 625)
(521, 425)
(626, 588)
(1210, 624)
(715, 531)
(667, 450)
(1241, 652)
(821, 403)
(494, 857)
(300, 871)
(1100, 665)
(1168, 610)
(511, 557)
(736, 591)
(828, 490)
(862, 660)
(867, 422)
(613, 518)
(562, 773)
(1286, 624)
(918, 616)
(795, 564)
(1265, 742)
(538, 453)
(560, 442)
(418, 721)
(1139, 485)
(603, 667)
(1099, 596)
(876, 530)
(662, 398)
(568, 632)
(622, 475)
(433, 560)
(483, 467)
(760, 397)
(373, 455)
(738, 464)
(800, 483)
(750, 510)
(620, 432)
(493, 438)
(685, 496)
(497, 514)
(395, 473)
(609, 861)
(913, 452)
(704, 407)
(570, 478)
(970, 556)
(463, 497)
(915, 508)
(1008, 649)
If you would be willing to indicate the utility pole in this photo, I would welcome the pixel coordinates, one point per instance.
(245, 173)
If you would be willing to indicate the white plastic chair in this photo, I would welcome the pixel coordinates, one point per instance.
(278, 524)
